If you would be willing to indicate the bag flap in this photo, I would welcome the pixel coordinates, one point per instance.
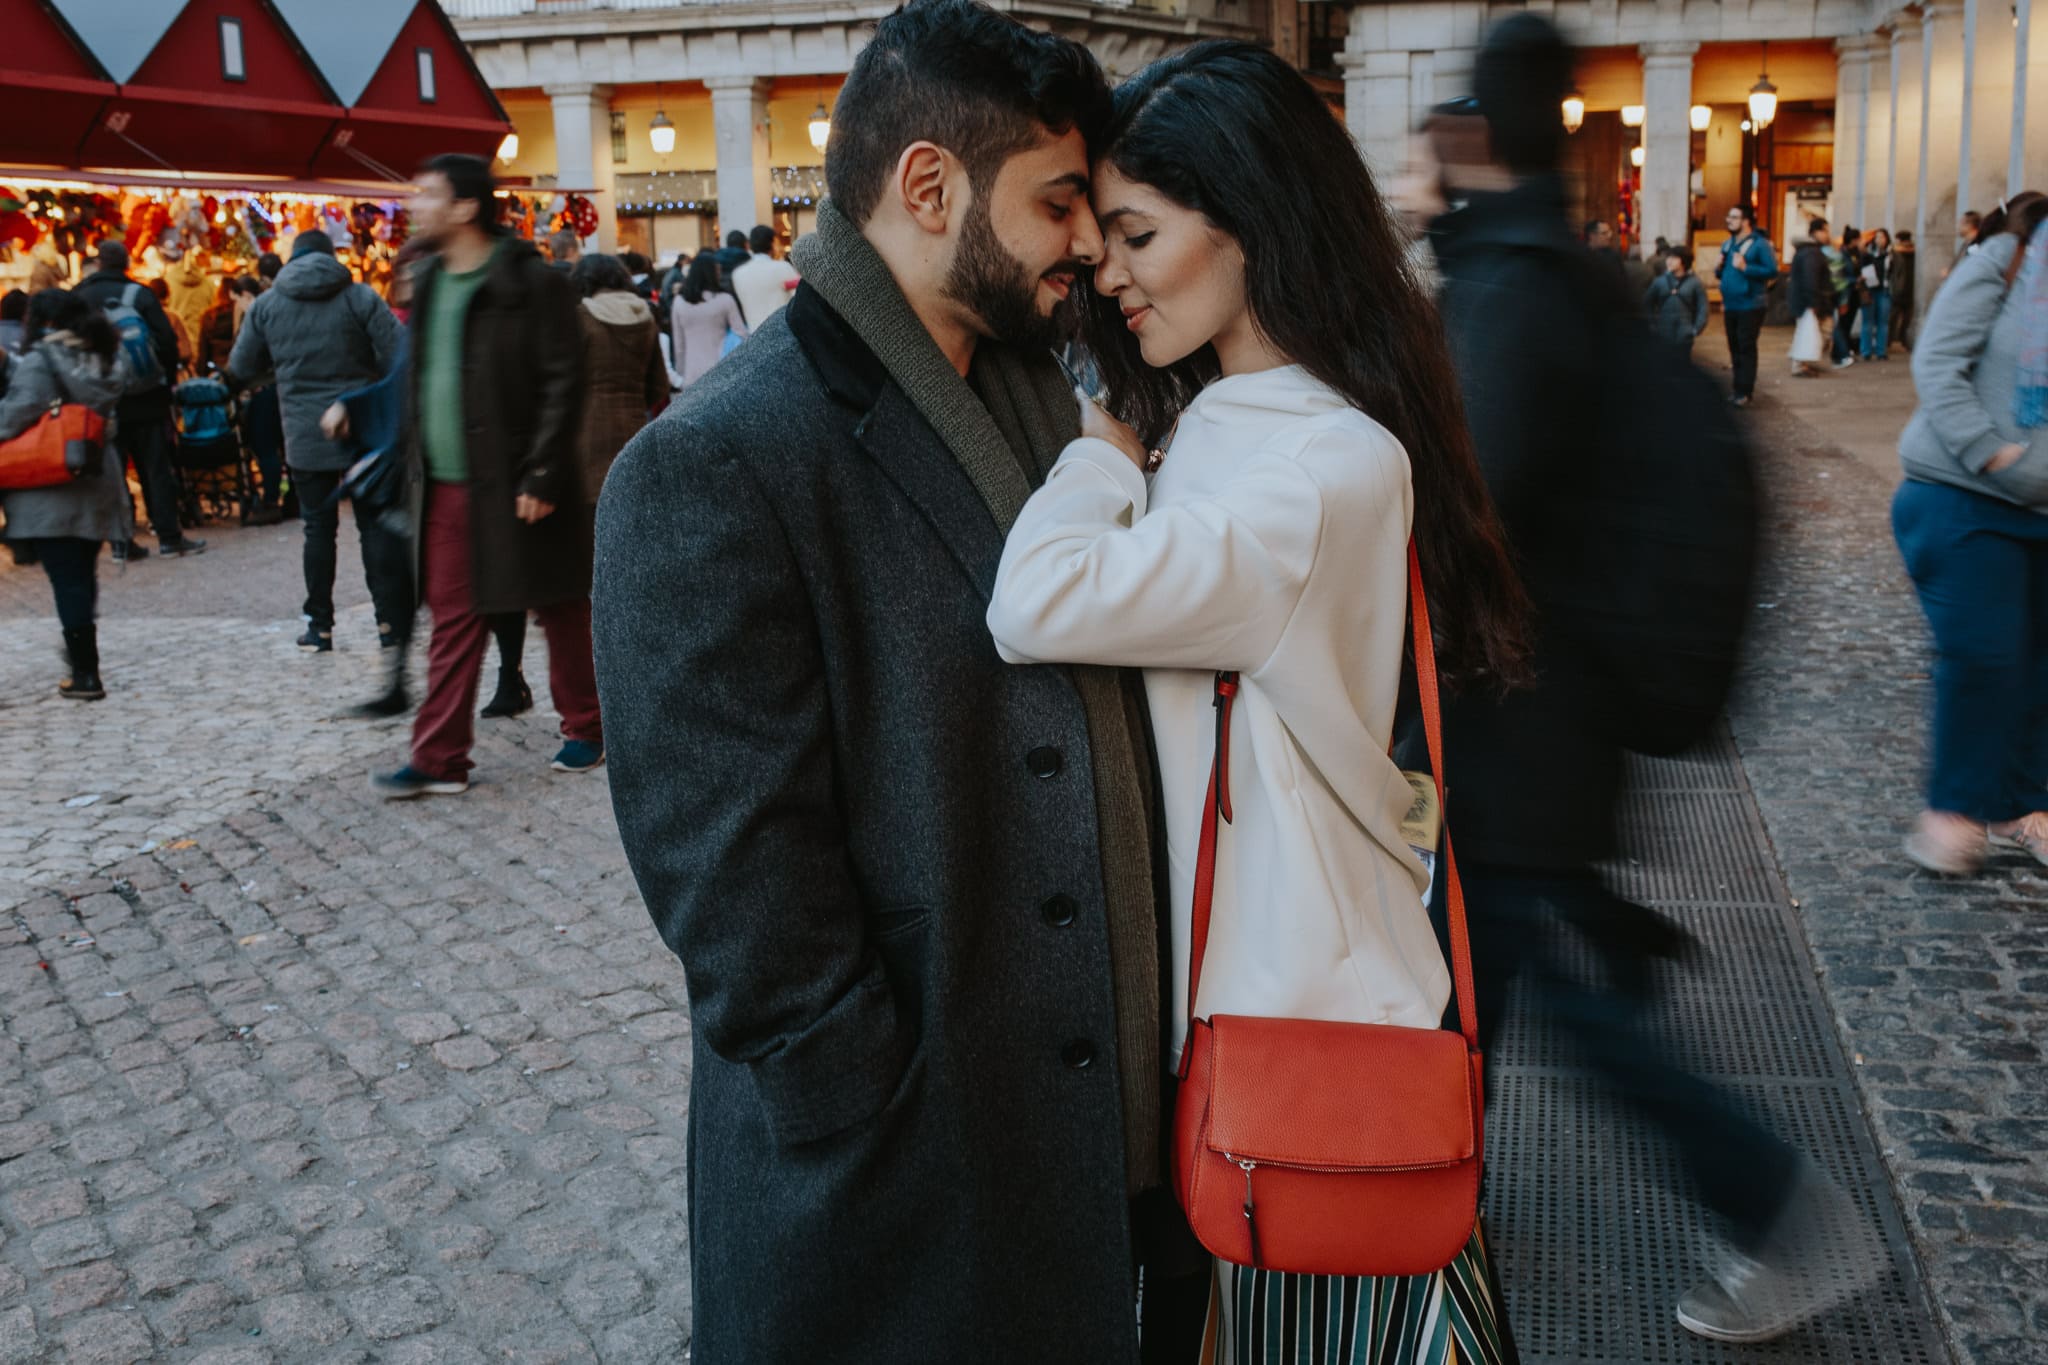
(1301, 1092)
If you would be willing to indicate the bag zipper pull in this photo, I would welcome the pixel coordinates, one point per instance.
(1251, 1223)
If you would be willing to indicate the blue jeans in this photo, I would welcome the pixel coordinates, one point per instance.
(1981, 568)
(1844, 345)
(1877, 322)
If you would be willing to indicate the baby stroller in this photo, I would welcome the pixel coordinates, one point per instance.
(213, 476)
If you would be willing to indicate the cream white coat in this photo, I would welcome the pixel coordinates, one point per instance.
(1272, 541)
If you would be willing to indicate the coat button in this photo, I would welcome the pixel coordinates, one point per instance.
(1059, 912)
(1079, 1054)
(1044, 761)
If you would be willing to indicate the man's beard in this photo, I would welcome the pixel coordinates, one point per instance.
(992, 283)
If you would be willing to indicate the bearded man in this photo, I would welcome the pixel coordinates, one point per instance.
(912, 888)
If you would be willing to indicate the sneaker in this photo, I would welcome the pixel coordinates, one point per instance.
(409, 782)
(1819, 1252)
(317, 641)
(2029, 834)
(128, 551)
(1740, 400)
(578, 756)
(1845, 362)
(178, 549)
(1946, 844)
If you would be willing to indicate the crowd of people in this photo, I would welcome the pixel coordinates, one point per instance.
(921, 666)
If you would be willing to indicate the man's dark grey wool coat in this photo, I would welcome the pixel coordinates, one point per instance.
(874, 847)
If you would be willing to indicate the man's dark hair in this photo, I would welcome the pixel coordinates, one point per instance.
(310, 241)
(1681, 254)
(736, 240)
(470, 178)
(1906, 234)
(14, 305)
(597, 273)
(1748, 213)
(957, 74)
(1521, 77)
(1815, 225)
(1593, 226)
(113, 258)
(267, 266)
(1849, 235)
(761, 241)
(635, 263)
(1971, 218)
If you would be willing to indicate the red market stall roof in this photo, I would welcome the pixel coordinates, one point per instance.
(292, 89)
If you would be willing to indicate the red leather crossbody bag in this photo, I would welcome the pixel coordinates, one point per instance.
(1329, 1148)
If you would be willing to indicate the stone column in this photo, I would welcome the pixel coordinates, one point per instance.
(2030, 98)
(1667, 141)
(1878, 157)
(583, 153)
(739, 124)
(1376, 108)
(1941, 119)
(1903, 195)
(1852, 127)
(1987, 128)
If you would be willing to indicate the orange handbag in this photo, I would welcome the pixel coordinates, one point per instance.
(1328, 1148)
(63, 445)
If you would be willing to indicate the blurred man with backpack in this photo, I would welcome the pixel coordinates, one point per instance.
(1625, 490)
(144, 414)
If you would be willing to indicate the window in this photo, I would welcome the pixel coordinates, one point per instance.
(231, 65)
(618, 138)
(424, 56)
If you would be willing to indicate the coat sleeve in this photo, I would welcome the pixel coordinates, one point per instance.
(151, 311)
(1761, 262)
(1089, 576)
(548, 470)
(31, 388)
(250, 358)
(655, 382)
(1699, 305)
(1945, 353)
(718, 727)
(387, 337)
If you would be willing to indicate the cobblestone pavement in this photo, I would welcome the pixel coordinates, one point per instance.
(312, 1077)
(1937, 984)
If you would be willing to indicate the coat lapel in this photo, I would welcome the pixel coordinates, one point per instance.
(895, 435)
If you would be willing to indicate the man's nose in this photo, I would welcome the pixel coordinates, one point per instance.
(1085, 243)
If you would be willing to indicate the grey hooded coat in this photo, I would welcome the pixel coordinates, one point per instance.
(323, 335)
(60, 369)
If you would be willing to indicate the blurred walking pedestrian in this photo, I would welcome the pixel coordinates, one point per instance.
(1812, 298)
(321, 334)
(1874, 283)
(70, 354)
(1748, 265)
(505, 528)
(1676, 302)
(1972, 525)
(1535, 777)
(1285, 412)
(624, 380)
(151, 348)
(1904, 269)
(703, 314)
(763, 284)
(1845, 269)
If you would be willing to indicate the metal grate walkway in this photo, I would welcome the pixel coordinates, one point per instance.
(1592, 1218)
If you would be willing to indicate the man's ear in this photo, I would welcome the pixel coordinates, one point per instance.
(923, 184)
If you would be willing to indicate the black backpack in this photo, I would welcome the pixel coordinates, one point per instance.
(1662, 578)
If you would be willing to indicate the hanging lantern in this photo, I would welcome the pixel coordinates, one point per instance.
(508, 150)
(1702, 115)
(1631, 115)
(821, 127)
(1635, 156)
(662, 133)
(1574, 111)
(1763, 96)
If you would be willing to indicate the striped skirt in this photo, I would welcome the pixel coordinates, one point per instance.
(1451, 1317)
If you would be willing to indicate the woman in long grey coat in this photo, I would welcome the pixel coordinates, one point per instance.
(70, 355)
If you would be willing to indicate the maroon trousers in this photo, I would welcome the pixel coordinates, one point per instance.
(446, 726)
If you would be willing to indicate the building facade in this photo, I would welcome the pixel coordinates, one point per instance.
(1900, 116)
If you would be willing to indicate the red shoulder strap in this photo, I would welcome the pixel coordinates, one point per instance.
(1218, 804)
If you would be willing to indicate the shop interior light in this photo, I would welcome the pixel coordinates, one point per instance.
(1635, 156)
(1574, 111)
(1745, 125)
(508, 150)
(1763, 96)
(821, 127)
(1702, 116)
(1631, 115)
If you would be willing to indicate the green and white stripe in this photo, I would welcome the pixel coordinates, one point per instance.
(1451, 1317)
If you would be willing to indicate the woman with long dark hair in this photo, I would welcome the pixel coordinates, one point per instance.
(1252, 315)
(703, 314)
(70, 354)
